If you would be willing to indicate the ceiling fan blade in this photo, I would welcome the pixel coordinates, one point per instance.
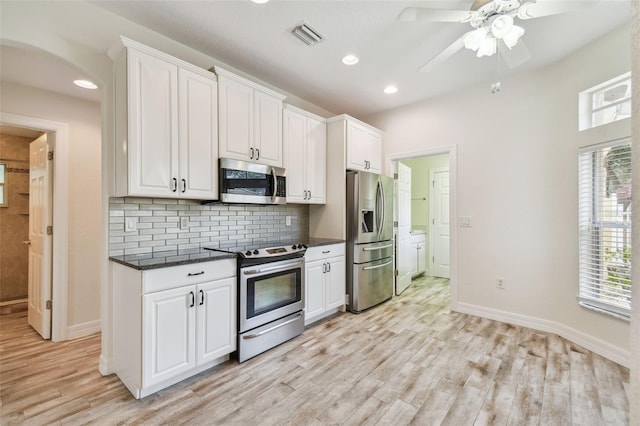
(538, 8)
(438, 15)
(516, 56)
(442, 56)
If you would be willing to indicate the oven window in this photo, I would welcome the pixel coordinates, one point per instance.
(270, 292)
(246, 183)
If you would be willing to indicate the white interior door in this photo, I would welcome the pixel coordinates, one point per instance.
(40, 243)
(440, 233)
(403, 252)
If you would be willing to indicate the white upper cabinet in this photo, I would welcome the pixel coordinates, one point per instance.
(250, 118)
(364, 147)
(305, 153)
(166, 126)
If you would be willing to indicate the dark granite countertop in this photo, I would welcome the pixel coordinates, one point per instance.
(316, 242)
(164, 259)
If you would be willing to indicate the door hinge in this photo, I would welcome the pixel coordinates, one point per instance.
(50, 155)
(397, 272)
(433, 259)
(49, 230)
(346, 299)
(395, 176)
(433, 184)
(48, 304)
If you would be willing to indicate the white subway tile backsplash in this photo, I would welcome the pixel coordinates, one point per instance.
(208, 224)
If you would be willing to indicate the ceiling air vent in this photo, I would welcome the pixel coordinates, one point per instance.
(307, 34)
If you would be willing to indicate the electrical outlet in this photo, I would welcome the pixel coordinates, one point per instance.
(184, 222)
(130, 224)
(288, 220)
(500, 283)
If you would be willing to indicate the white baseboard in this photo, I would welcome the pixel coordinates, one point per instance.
(600, 347)
(84, 329)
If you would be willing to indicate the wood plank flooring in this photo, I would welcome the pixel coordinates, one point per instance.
(409, 361)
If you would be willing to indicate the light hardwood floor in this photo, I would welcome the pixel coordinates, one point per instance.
(409, 361)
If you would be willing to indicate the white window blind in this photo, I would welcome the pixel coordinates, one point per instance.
(605, 227)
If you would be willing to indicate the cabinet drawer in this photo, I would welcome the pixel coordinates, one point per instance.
(194, 273)
(324, 252)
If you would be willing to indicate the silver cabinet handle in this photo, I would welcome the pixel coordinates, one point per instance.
(377, 248)
(175, 185)
(257, 153)
(251, 156)
(324, 268)
(193, 299)
(309, 195)
(328, 267)
(326, 251)
(184, 186)
(367, 268)
(193, 274)
(305, 194)
(268, 330)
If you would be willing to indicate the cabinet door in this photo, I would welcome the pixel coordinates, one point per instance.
(374, 152)
(314, 289)
(169, 331)
(267, 129)
(316, 160)
(294, 148)
(153, 126)
(422, 267)
(216, 319)
(413, 249)
(356, 146)
(235, 119)
(335, 282)
(198, 110)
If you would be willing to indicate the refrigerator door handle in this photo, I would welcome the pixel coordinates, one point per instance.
(380, 207)
(367, 268)
(377, 247)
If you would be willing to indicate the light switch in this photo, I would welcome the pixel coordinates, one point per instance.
(184, 222)
(465, 221)
(288, 220)
(130, 224)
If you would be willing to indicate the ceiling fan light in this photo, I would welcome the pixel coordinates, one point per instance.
(488, 47)
(474, 39)
(511, 39)
(501, 26)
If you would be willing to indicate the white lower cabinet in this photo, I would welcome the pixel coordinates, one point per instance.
(172, 323)
(418, 255)
(324, 281)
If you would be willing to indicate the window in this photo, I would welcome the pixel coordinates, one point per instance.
(605, 103)
(605, 227)
(3, 171)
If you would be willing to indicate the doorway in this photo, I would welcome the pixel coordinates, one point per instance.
(431, 244)
(57, 287)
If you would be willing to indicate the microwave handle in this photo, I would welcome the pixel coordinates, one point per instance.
(275, 184)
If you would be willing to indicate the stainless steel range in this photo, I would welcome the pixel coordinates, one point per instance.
(270, 295)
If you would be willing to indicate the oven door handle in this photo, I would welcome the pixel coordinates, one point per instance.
(272, 268)
(367, 268)
(270, 329)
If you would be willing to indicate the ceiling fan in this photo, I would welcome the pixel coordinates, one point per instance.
(494, 26)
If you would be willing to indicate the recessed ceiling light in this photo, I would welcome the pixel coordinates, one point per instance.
(85, 84)
(389, 90)
(260, 1)
(350, 60)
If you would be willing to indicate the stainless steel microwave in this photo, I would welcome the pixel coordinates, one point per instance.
(251, 183)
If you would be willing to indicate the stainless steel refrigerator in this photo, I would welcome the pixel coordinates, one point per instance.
(369, 239)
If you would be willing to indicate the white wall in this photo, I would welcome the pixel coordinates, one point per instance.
(84, 209)
(517, 180)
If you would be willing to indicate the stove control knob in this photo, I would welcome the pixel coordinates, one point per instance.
(248, 253)
(294, 247)
(256, 252)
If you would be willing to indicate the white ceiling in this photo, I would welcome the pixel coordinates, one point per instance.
(257, 40)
